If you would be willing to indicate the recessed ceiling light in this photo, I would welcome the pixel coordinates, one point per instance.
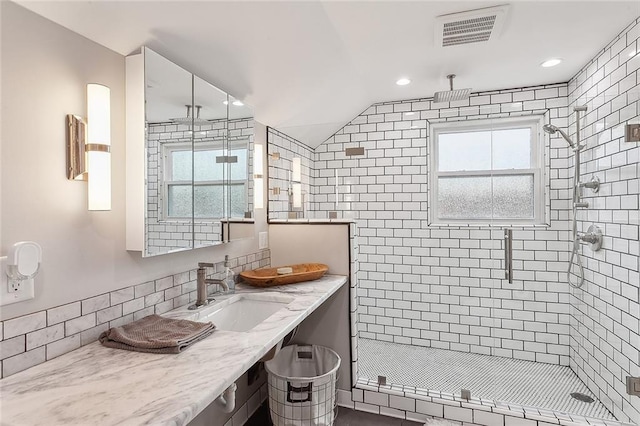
(237, 103)
(403, 82)
(551, 62)
(225, 102)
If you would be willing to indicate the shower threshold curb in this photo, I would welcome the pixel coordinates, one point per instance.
(485, 405)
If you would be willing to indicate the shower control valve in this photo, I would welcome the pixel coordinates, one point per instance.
(593, 237)
(593, 184)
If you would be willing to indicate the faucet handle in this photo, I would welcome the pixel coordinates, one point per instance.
(205, 265)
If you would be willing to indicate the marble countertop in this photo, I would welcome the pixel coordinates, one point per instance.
(95, 385)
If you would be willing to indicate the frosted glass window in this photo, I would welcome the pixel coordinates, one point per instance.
(209, 193)
(238, 200)
(238, 170)
(464, 197)
(181, 165)
(206, 167)
(487, 171)
(208, 201)
(513, 197)
(179, 202)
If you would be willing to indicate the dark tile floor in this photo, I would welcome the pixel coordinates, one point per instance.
(346, 417)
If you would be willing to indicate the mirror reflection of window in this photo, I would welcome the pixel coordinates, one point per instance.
(208, 181)
(239, 178)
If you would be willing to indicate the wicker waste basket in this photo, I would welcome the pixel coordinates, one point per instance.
(302, 386)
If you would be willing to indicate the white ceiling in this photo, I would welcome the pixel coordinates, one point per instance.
(309, 67)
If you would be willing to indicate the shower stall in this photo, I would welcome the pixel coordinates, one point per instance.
(437, 317)
(554, 339)
(452, 319)
(501, 342)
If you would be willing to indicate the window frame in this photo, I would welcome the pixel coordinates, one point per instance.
(167, 178)
(537, 169)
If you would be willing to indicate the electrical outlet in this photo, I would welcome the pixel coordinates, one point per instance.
(13, 291)
(263, 240)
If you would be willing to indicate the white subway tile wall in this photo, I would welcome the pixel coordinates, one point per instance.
(281, 150)
(35, 338)
(442, 286)
(605, 312)
(163, 234)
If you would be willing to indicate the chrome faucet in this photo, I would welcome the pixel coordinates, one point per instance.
(203, 283)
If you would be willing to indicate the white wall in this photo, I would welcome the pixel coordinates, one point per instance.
(605, 312)
(45, 69)
(329, 244)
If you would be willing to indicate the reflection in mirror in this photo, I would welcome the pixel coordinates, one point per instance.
(239, 197)
(290, 174)
(168, 120)
(209, 144)
(198, 151)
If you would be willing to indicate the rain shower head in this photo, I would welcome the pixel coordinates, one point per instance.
(197, 121)
(451, 95)
(551, 129)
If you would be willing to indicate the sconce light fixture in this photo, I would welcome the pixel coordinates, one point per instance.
(296, 169)
(296, 195)
(89, 147)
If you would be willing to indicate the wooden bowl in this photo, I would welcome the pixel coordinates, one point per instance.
(268, 277)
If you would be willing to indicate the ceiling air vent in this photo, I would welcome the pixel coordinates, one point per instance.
(473, 26)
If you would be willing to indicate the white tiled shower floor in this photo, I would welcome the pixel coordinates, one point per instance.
(515, 381)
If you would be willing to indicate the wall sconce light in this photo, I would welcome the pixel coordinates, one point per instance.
(296, 194)
(296, 169)
(89, 147)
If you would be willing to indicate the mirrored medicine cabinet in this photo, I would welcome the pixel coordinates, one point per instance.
(189, 159)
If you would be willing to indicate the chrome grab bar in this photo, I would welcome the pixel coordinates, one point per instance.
(508, 256)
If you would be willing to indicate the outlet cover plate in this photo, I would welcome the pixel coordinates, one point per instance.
(25, 288)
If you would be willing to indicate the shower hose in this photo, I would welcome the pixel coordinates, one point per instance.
(576, 243)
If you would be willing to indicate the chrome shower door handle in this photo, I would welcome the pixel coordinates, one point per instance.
(508, 256)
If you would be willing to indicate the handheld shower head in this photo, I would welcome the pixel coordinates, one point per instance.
(551, 129)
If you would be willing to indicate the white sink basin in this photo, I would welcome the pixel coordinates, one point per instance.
(242, 312)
